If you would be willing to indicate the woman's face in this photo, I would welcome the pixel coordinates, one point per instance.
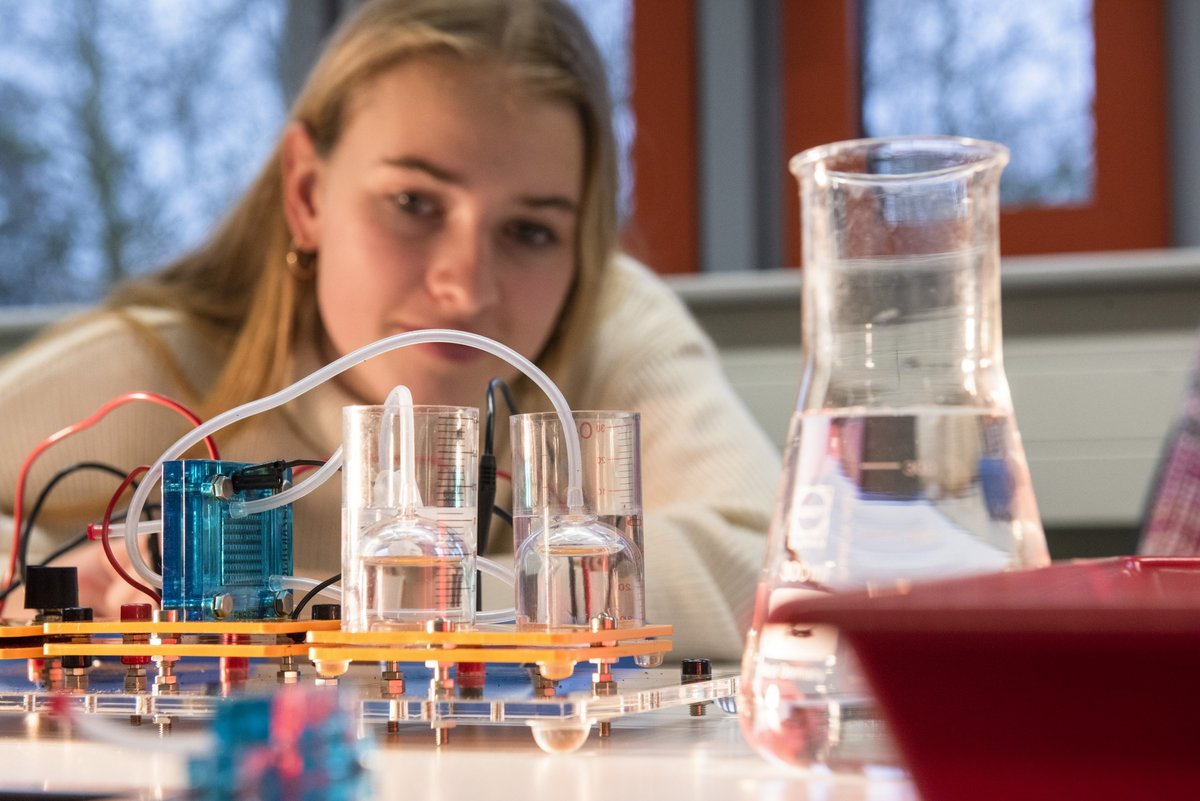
(451, 201)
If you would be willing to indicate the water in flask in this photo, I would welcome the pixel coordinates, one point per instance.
(874, 500)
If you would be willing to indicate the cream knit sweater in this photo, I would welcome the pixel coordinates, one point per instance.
(709, 473)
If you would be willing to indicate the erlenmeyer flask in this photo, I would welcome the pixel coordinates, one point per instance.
(903, 459)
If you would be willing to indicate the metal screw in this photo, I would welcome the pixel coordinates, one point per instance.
(692, 671)
(222, 605)
(75, 680)
(392, 680)
(441, 684)
(135, 679)
(289, 671)
(284, 603)
(219, 487)
(602, 680)
(165, 681)
(542, 686)
(603, 686)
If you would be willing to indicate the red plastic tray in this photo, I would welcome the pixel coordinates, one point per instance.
(1075, 681)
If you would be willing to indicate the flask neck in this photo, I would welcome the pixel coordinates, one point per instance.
(901, 303)
(904, 331)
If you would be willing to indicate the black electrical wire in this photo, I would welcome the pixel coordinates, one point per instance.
(79, 539)
(502, 514)
(308, 596)
(154, 548)
(62, 550)
(71, 545)
(487, 463)
(490, 425)
(305, 463)
(487, 476)
(36, 509)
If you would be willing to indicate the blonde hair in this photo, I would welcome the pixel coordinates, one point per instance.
(237, 287)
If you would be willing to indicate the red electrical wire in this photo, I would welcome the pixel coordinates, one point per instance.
(99, 414)
(130, 531)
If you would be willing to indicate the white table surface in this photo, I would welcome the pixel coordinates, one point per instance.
(658, 755)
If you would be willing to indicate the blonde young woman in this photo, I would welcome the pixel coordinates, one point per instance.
(447, 165)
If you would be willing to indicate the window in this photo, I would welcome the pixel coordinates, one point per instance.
(1127, 206)
(117, 154)
(1018, 73)
(127, 131)
(130, 126)
(801, 63)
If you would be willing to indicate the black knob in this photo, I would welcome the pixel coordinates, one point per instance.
(51, 587)
(695, 670)
(326, 611)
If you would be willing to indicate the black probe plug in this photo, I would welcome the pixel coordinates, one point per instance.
(487, 499)
(268, 476)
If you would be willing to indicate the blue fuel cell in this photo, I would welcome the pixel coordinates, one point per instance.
(216, 566)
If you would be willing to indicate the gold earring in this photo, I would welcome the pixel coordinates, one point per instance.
(302, 264)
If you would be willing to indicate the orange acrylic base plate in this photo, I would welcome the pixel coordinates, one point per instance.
(555, 652)
(20, 642)
(262, 638)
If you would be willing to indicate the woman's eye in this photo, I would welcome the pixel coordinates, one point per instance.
(416, 204)
(531, 234)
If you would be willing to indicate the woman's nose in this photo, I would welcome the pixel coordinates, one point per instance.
(462, 273)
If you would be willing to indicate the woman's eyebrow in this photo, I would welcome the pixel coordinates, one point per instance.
(423, 165)
(552, 202)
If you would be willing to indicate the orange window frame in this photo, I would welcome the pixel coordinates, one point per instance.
(1130, 208)
(664, 229)
(819, 55)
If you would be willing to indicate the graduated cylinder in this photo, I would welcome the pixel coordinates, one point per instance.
(578, 570)
(409, 515)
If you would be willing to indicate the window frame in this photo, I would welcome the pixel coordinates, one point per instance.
(820, 103)
(1130, 205)
(663, 230)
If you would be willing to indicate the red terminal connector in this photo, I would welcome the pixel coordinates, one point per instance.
(136, 613)
(471, 675)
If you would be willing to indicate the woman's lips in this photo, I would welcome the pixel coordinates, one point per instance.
(459, 354)
(444, 351)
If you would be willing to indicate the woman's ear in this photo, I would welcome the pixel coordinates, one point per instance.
(301, 168)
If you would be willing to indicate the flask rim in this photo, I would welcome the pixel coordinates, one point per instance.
(976, 155)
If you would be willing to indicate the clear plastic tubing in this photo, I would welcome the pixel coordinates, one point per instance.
(102, 729)
(116, 531)
(495, 570)
(292, 493)
(337, 367)
(323, 474)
